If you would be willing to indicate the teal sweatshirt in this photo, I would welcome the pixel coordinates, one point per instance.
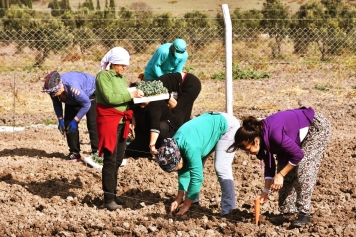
(196, 139)
(163, 61)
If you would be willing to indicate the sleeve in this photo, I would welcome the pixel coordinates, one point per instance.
(289, 151)
(84, 102)
(155, 114)
(57, 106)
(191, 176)
(270, 171)
(112, 95)
(158, 58)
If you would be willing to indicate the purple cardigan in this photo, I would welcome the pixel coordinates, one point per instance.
(281, 137)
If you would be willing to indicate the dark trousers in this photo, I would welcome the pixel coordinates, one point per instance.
(70, 111)
(139, 146)
(191, 90)
(112, 162)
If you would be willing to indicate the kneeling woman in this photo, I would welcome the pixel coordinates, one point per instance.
(298, 139)
(188, 150)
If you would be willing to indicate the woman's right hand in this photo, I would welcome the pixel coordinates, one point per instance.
(137, 93)
(175, 204)
(153, 150)
(262, 197)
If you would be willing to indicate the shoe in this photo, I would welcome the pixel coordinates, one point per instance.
(95, 157)
(123, 163)
(301, 220)
(118, 201)
(281, 218)
(112, 206)
(75, 157)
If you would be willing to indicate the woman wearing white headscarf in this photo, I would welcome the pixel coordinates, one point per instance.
(113, 119)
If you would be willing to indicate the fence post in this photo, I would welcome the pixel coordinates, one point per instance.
(228, 58)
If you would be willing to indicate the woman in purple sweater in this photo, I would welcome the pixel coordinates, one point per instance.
(296, 139)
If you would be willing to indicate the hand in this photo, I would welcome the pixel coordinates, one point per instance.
(61, 126)
(140, 76)
(73, 126)
(172, 103)
(183, 209)
(153, 150)
(175, 204)
(263, 197)
(277, 182)
(137, 93)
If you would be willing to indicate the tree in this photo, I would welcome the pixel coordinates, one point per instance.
(98, 5)
(276, 20)
(42, 35)
(4, 5)
(55, 10)
(89, 4)
(112, 5)
(326, 23)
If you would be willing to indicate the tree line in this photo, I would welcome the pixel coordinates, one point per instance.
(329, 22)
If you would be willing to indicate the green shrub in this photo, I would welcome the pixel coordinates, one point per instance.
(242, 73)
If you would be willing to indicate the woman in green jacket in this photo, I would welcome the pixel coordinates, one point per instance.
(113, 119)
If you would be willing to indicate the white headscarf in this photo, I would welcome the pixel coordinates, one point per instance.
(117, 55)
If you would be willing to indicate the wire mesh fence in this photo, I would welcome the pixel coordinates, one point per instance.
(27, 55)
(44, 48)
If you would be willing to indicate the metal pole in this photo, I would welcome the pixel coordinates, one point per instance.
(228, 58)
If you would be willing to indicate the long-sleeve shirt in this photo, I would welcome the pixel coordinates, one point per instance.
(163, 61)
(281, 137)
(149, 118)
(188, 90)
(79, 86)
(111, 90)
(195, 140)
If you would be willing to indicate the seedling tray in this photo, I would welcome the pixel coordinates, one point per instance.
(93, 164)
(148, 98)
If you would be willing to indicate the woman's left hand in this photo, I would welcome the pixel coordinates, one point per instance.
(277, 182)
(172, 103)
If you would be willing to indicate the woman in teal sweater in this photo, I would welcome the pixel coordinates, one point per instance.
(188, 150)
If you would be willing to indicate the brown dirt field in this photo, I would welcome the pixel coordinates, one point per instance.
(41, 195)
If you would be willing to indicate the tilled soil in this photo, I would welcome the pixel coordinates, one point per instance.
(43, 195)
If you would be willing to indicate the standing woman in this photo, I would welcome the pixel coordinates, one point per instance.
(189, 148)
(113, 119)
(184, 88)
(298, 139)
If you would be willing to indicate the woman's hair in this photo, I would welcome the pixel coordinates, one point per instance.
(246, 134)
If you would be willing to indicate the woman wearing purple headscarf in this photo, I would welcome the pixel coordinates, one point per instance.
(77, 91)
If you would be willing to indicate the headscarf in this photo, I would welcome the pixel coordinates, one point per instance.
(117, 55)
(168, 155)
(52, 83)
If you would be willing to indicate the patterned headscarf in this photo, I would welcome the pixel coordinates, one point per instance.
(168, 155)
(52, 83)
(116, 55)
